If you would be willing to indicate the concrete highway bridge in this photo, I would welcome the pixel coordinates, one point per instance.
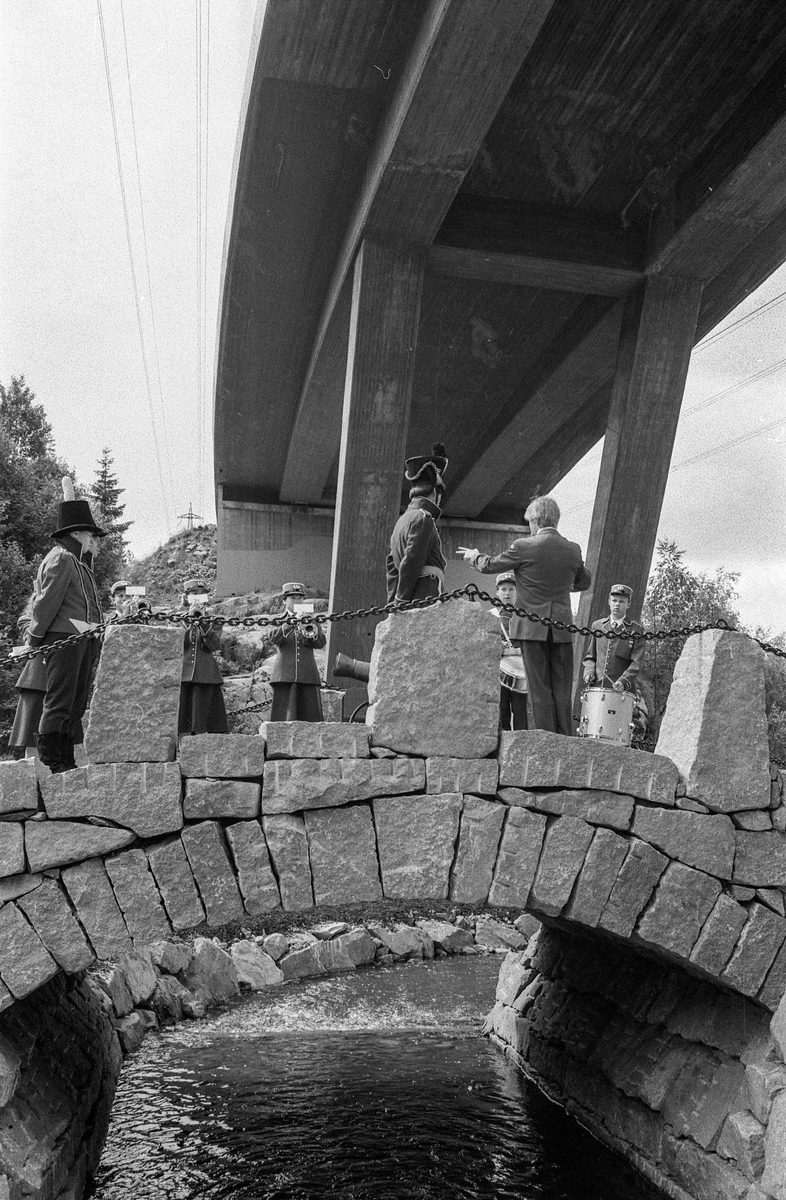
(500, 223)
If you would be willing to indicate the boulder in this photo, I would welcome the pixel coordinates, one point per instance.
(211, 975)
(415, 840)
(275, 944)
(287, 843)
(12, 849)
(172, 873)
(48, 911)
(221, 798)
(55, 843)
(136, 696)
(479, 836)
(139, 898)
(357, 945)
(208, 857)
(131, 1031)
(331, 929)
(704, 842)
(18, 785)
(222, 756)
(25, 963)
(535, 758)
(773, 1181)
(517, 858)
(448, 651)
(170, 957)
(715, 726)
(477, 776)
(447, 936)
(403, 942)
(255, 876)
(115, 984)
(90, 892)
(597, 808)
(140, 974)
(290, 785)
(343, 852)
(255, 968)
(141, 796)
(169, 1000)
(493, 935)
(315, 739)
(301, 964)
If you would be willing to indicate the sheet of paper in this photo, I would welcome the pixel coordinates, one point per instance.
(83, 626)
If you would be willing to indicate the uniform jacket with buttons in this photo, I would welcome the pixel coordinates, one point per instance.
(199, 642)
(547, 568)
(615, 658)
(295, 662)
(64, 588)
(415, 544)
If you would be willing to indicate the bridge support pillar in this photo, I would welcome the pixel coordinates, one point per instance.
(386, 294)
(658, 330)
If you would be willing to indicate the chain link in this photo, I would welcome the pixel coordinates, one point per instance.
(471, 592)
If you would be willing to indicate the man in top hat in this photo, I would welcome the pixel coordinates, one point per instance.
(615, 661)
(65, 602)
(547, 568)
(295, 676)
(416, 564)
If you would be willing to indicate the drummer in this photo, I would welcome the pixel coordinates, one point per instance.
(617, 660)
(512, 703)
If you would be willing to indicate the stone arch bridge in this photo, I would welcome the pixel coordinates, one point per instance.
(667, 870)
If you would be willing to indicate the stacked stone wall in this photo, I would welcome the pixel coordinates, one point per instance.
(688, 1081)
(59, 1063)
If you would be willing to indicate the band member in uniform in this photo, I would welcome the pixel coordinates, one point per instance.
(416, 564)
(121, 604)
(202, 708)
(512, 702)
(66, 602)
(547, 568)
(615, 661)
(295, 677)
(31, 686)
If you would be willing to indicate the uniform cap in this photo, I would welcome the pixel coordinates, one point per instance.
(194, 585)
(117, 585)
(506, 577)
(620, 589)
(293, 589)
(427, 466)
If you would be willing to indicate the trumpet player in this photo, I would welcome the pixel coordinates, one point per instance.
(202, 708)
(295, 677)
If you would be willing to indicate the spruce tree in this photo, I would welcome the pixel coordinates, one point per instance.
(108, 510)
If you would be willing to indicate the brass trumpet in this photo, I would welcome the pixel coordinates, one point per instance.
(309, 630)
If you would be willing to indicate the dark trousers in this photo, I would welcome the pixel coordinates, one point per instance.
(549, 667)
(69, 674)
(512, 709)
(202, 709)
(296, 702)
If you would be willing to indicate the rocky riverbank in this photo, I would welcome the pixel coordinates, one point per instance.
(182, 978)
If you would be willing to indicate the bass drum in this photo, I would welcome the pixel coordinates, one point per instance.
(512, 674)
(606, 715)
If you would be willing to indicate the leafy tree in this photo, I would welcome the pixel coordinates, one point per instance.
(24, 423)
(108, 510)
(677, 597)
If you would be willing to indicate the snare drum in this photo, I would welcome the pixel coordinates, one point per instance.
(512, 674)
(606, 715)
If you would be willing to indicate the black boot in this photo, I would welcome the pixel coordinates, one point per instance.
(49, 750)
(67, 751)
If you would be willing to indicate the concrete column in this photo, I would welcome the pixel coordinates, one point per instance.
(658, 330)
(386, 294)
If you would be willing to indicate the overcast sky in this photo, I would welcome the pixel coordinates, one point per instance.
(69, 313)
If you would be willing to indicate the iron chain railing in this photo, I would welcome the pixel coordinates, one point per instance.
(471, 592)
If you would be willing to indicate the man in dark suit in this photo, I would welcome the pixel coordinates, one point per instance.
(547, 568)
(616, 661)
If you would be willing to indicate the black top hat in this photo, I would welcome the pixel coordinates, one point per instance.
(427, 466)
(73, 515)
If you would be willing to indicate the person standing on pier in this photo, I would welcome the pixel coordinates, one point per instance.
(547, 568)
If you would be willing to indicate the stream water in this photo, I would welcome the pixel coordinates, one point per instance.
(376, 1084)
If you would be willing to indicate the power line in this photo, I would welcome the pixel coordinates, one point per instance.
(147, 258)
(205, 377)
(200, 372)
(132, 265)
(755, 312)
(689, 462)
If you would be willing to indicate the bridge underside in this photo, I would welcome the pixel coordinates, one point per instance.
(503, 225)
